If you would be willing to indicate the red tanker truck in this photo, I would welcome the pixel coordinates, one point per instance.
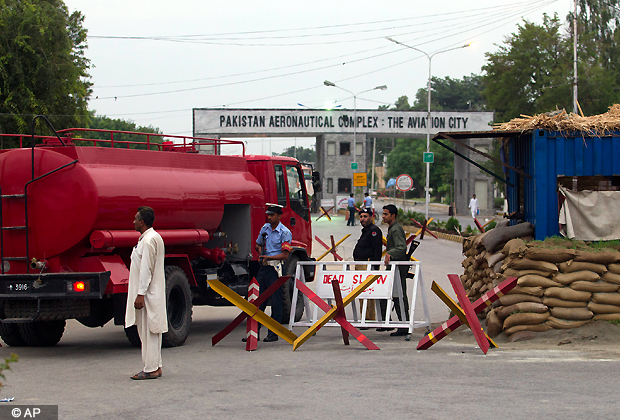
(66, 222)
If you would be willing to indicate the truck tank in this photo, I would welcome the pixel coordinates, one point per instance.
(102, 189)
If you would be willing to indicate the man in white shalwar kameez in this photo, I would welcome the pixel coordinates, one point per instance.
(473, 206)
(146, 297)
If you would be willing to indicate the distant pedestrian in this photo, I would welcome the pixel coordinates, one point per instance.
(351, 207)
(146, 297)
(473, 206)
(367, 201)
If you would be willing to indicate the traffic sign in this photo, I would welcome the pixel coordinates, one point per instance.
(360, 179)
(404, 182)
(354, 166)
(429, 157)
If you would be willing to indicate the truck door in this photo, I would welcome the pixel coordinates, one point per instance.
(292, 195)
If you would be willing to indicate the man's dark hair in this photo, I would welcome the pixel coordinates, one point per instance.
(391, 208)
(147, 215)
(351, 195)
(366, 194)
(366, 210)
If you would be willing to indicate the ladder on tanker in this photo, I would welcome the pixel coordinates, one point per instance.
(5, 261)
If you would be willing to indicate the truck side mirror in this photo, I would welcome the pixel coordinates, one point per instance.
(316, 182)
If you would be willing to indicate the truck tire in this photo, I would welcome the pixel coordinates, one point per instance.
(10, 335)
(42, 333)
(133, 336)
(178, 307)
(287, 293)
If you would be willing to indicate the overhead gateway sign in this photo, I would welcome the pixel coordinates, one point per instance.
(286, 122)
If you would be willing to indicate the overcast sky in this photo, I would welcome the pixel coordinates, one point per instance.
(156, 60)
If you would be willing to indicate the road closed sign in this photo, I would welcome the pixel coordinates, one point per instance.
(404, 182)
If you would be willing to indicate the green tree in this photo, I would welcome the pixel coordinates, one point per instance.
(303, 154)
(101, 122)
(452, 94)
(43, 69)
(406, 158)
(532, 73)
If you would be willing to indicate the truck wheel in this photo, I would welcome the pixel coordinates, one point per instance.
(133, 336)
(178, 307)
(42, 333)
(10, 335)
(287, 293)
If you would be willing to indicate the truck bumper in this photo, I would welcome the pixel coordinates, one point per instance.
(53, 285)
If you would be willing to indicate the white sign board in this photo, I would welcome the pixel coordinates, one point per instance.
(342, 201)
(404, 182)
(349, 280)
(288, 122)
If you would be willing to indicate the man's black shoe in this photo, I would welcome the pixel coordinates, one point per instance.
(270, 338)
(384, 329)
(400, 332)
(245, 339)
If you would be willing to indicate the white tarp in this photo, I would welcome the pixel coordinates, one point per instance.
(590, 215)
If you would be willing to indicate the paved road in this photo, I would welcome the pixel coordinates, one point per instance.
(87, 374)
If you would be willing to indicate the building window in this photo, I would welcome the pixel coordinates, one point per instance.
(345, 148)
(344, 185)
(331, 149)
(330, 185)
(359, 149)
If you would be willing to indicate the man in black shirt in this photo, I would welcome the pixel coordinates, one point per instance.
(368, 248)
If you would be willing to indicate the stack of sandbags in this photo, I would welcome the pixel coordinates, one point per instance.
(556, 288)
(484, 258)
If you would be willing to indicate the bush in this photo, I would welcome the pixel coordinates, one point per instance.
(491, 225)
(498, 202)
(451, 224)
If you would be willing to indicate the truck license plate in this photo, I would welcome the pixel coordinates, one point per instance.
(18, 287)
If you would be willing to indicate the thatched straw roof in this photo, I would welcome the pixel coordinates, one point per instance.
(560, 120)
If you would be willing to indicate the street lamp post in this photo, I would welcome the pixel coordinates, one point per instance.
(331, 84)
(428, 115)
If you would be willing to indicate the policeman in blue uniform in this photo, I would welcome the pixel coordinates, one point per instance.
(273, 244)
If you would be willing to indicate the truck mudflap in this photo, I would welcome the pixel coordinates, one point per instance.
(53, 285)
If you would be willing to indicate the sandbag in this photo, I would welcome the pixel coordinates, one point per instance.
(534, 280)
(565, 293)
(572, 266)
(494, 325)
(534, 291)
(614, 268)
(568, 278)
(495, 239)
(511, 272)
(599, 308)
(514, 247)
(508, 300)
(594, 286)
(608, 256)
(572, 314)
(497, 268)
(558, 323)
(555, 302)
(610, 277)
(525, 318)
(480, 262)
(525, 264)
(552, 255)
(607, 317)
(493, 259)
(607, 298)
(467, 262)
(506, 311)
(533, 328)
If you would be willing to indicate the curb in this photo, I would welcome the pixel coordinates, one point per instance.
(449, 237)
